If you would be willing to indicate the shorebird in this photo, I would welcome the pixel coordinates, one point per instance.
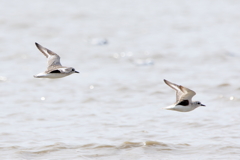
(184, 99)
(54, 68)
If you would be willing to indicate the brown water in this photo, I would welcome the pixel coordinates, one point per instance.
(112, 109)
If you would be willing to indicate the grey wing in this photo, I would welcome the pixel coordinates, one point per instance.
(176, 87)
(53, 61)
(52, 58)
(182, 93)
(187, 94)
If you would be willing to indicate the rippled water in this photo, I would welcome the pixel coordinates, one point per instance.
(123, 50)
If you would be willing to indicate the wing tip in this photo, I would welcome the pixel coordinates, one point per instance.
(36, 44)
(42, 49)
(167, 82)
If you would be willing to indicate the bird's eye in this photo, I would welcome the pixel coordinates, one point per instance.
(198, 103)
(73, 69)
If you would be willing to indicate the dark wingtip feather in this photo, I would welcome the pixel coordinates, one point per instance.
(37, 44)
(166, 81)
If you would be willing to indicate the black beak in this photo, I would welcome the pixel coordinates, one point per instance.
(202, 105)
(76, 72)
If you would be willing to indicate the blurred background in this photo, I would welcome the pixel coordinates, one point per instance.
(113, 108)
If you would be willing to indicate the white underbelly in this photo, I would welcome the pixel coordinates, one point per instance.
(180, 108)
(51, 75)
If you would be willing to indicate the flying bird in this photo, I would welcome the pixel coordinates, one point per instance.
(54, 67)
(184, 98)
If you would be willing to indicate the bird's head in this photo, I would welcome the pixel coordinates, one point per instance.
(197, 103)
(73, 70)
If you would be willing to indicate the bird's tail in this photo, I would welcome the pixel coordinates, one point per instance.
(169, 107)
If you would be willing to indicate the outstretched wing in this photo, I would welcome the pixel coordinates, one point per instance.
(52, 58)
(182, 93)
(188, 94)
